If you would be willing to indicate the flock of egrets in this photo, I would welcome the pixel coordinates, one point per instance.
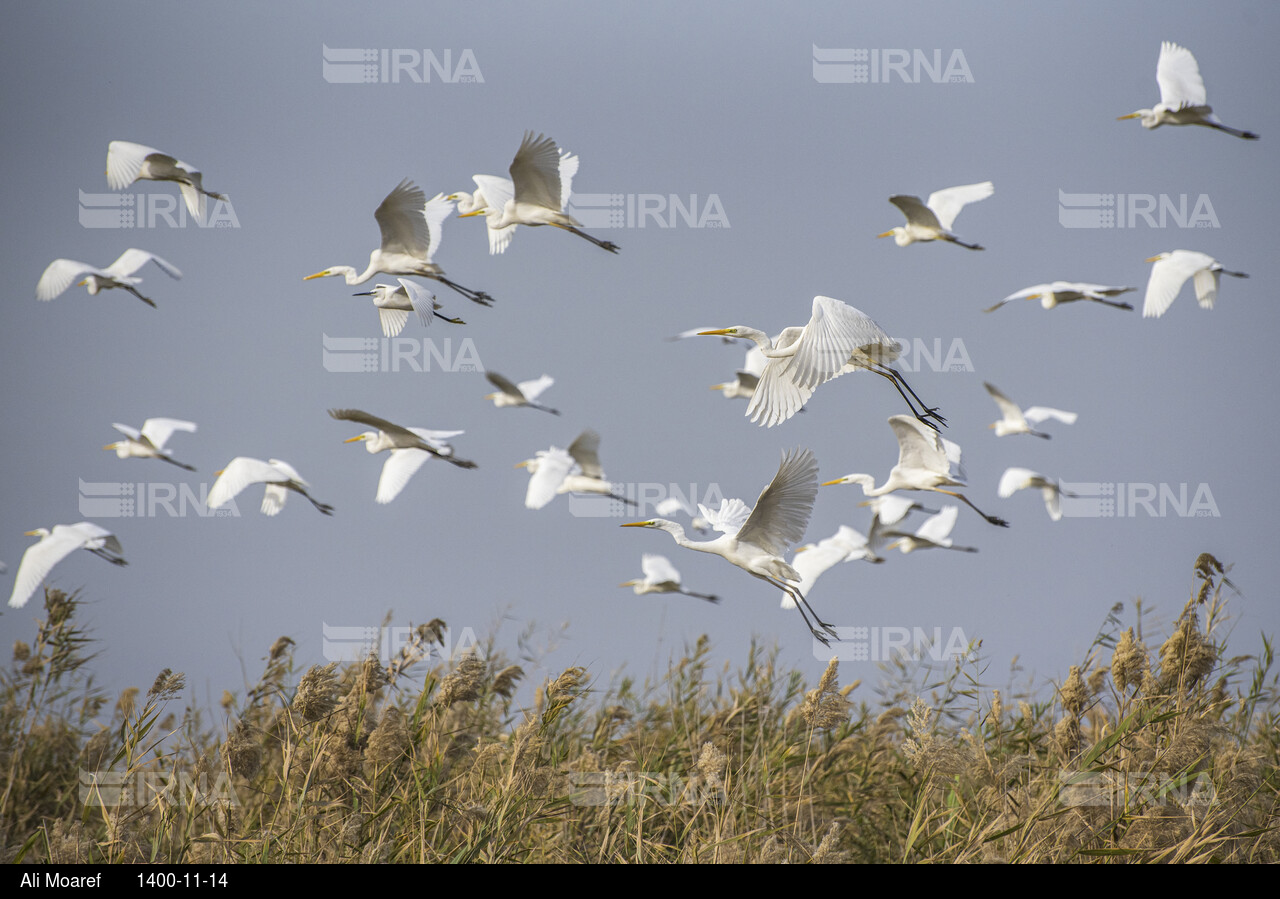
(779, 376)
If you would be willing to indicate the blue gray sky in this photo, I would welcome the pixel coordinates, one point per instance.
(788, 169)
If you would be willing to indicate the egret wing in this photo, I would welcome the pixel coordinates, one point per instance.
(1206, 281)
(503, 384)
(586, 452)
(239, 473)
(947, 203)
(364, 418)
(536, 172)
(39, 560)
(61, 274)
(436, 210)
(133, 259)
(1013, 480)
(916, 212)
(1178, 75)
(659, 570)
(1037, 414)
(781, 514)
(919, 446)
(729, 518)
(397, 470)
(402, 222)
(159, 430)
(534, 388)
(552, 467)
(125, 159)
(1008, 408)
(937, 528)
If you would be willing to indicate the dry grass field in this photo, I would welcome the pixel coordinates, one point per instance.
(1144, 753)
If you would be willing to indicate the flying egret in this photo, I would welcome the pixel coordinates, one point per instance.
(838, 339)
(491, 196)
(778, 520)
(660, 576)
(933, 533)
(62, 273)
(1057, 292)
(149, 442)
(1015, 479)
(555, 471)
(747, 378)
(1182, 95)
(54, 546)
(1019, 421)
(128, 162)
(410, 447)
(411, 230)
(815, 559)
(542, 176)
(395, 303)
(925, 462)
(522, 394)
(932, 220)
(279, 477)
(1170, 272)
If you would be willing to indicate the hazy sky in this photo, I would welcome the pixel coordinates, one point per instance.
(783, 170)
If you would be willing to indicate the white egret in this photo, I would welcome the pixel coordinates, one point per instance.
(411, 230)
(491, 196)
(933, 533)
(62, 273)
(932, 220)
(1058, 292)
(1019, 421)
(395, 303)
(838, 339)
(660, 576)
(542, 176)
(128, 162)
(747, 378)
(813, 560)
(555, 471)
(1170, 272)
(1182, 95)
(1015, 479)
(925, 462)
(54, 546)
(778, 520)
(279, 476)
(410, 447)
(522, 394)
(149, 442)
